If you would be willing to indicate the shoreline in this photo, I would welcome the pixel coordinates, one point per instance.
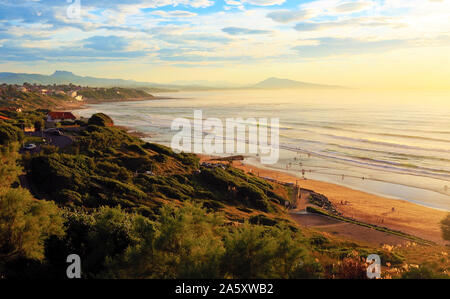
(82, 104)
(256, 165)
(395, 214)
(409, 217)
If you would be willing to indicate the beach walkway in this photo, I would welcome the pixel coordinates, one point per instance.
(348, 231)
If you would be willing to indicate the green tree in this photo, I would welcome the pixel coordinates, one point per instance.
(183, 243)
(9, 168)
(9, 133)
(25, 224)
(255, 251)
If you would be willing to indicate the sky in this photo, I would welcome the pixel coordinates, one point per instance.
(382, 44)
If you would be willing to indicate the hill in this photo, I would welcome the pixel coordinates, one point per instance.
(277, 83)
(64, 77)
(29, 96)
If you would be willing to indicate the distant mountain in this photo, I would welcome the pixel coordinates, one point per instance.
(206, 83)
(277, 83)
(64, 77)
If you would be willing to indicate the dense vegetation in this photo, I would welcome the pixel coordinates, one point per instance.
(107, 167)
(135, 209)
(114, 93)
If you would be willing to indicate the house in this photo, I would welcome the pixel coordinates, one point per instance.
(79, 98)
(73, 94)
(57, 116)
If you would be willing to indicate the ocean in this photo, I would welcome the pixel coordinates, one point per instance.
(392, 144)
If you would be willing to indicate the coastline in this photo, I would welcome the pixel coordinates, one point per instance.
(395, 214)
(82, 104)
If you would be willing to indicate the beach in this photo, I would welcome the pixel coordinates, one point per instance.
(395, 214)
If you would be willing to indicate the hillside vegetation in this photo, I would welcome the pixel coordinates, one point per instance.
(30, 97)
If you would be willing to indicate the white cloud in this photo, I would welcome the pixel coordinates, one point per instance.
(286, 16)
(348, 7)
(174, 13)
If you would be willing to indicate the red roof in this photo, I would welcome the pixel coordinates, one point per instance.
(62, 115)
(4, 118)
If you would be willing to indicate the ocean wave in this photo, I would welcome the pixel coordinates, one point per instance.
(420, 171)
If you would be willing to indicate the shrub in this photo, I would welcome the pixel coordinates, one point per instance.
(101, 119)
(445, 225)
(352, 268)
(25, 224)
(9, 133)
(423, 272)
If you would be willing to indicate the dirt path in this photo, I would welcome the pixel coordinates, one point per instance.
(349, 231)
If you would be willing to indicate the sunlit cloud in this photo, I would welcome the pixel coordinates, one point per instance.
(219, 34)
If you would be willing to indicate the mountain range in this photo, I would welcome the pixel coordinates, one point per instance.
(64, 77)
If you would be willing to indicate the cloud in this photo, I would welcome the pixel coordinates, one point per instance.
(265, 2)
(174, 14)
(286, 16)
(353, 22)
(64, 54)
(352, 7)
(163, 31)
(192, 38)
(340, 46)
(255, 2)
(244, 31)
(106, 43)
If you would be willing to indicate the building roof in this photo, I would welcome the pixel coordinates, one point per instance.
(62, 115)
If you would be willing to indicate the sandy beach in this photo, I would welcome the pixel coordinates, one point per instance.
(392, 213)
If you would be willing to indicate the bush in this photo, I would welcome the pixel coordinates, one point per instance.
(68, 197)
(423, 272)
(253, 251)
(445, 225)
(101, 119)
(25, 224)
(352, 268)
(9, 133)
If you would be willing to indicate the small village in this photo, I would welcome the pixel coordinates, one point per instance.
(41, 127)
(13, 92)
